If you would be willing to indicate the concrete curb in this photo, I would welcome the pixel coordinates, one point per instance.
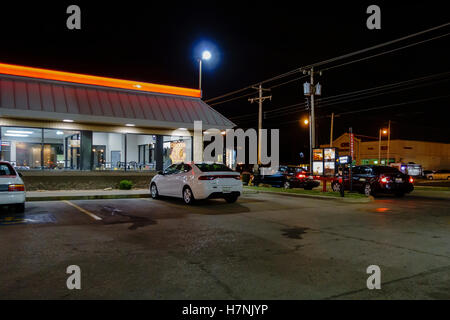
(88, 197)
(312, 196)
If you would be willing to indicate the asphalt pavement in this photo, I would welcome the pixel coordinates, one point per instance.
(262, 247)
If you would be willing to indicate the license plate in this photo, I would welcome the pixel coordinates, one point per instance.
(398, 180)
(226, 189)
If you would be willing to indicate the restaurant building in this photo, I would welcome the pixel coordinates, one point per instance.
(53, 120)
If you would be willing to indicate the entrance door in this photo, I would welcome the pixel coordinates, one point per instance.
(115, 159)
(99, 156)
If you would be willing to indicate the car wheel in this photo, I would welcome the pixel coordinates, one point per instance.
(188, 197)
(368, 190)
(231, 199)
(20, 207)
(154, 191)
(287, 185)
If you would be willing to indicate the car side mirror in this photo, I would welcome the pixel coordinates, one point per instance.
(20, 174)
(160, 172)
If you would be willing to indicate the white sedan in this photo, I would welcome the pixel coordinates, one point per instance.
(12, 188)
(195, 181)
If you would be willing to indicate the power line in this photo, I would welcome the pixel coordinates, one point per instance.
(353, 94)
(300, 69)
(386, 52)
(377, 107)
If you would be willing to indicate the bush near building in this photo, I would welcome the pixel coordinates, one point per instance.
(125, 185)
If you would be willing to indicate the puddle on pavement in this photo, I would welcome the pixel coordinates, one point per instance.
(294, 233)
(111, 215)
(14, 219)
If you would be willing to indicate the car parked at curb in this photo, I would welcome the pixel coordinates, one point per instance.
(196, 181)
(12, 188)
(288, 177)
(372, 180)
(439, 175)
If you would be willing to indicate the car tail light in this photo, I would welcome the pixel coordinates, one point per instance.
(384, 179)
(301, 176)
(411, 180)
(16, 187)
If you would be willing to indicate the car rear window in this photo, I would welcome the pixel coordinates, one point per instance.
(386, 170)
(211, 167)
(6, 170)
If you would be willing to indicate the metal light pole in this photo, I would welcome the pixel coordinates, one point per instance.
(389, 139)
(379, 148)
(206, 55)
(200, 74)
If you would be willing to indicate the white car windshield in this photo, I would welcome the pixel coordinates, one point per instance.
(6, 170)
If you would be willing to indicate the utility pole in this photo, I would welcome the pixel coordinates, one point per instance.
(389, 140)
(310, 89)
(313, 119)
(260, 100)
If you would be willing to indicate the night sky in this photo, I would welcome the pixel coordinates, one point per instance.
(252, 41)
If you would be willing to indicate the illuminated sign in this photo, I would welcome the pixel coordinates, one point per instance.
(317, 168)
(95, 80)
(177, 154)
(330, 154)
(317, 154)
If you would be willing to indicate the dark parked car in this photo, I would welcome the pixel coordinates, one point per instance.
(371, 180)
(288, 177)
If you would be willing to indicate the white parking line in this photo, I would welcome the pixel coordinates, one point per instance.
(93, 216)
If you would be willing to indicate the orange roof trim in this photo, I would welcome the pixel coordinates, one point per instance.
(95, 80)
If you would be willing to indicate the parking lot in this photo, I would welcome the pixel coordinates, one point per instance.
(262, 247)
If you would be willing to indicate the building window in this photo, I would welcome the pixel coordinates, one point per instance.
(141, 152)
(61, 149)
(108, 151)
(370, 148)
(408, 148)
(22, 147)
(176, 150)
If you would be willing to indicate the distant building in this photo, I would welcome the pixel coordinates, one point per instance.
(431, 155)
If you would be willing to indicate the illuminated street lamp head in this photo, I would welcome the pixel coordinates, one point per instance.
(305, 122)
(206, 55)
(385, 131)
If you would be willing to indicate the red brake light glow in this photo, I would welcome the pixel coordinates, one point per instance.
(16, 187)
(301, 176)
(411, 180)
(384, 179)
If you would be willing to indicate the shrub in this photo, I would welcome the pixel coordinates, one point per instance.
(125, 185)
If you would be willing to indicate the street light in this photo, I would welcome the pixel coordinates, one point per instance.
(206, 55)
(384, 131)
(306, 122)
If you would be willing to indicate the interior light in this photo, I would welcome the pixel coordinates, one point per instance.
(16, 135)
(20, 132)
(67, 120)
(129, 125)
(59, 133)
